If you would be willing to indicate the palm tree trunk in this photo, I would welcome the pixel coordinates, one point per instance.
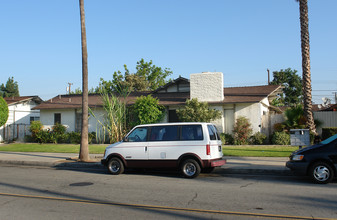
(84, 148)
(306, 75)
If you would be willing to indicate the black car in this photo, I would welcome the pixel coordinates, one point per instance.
(318, 161)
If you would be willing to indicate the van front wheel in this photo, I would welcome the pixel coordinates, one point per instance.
(115, 166)
(190, 168)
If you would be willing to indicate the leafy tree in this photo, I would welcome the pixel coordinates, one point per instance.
(147, 110)
(3, 111)
(306, 74)
(147, 77)
(195, 111)
(292, 91)
(11, 89)
(242, 131)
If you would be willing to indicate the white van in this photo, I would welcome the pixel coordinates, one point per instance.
(192, 147)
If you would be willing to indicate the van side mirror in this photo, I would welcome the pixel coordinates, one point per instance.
(125, 139)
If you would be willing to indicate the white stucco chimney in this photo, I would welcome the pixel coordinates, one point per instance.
(207, 86)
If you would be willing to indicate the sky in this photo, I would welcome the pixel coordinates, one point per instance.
(41, 41)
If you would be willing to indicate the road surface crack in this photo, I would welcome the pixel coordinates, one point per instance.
(192, 200)
(246, 185)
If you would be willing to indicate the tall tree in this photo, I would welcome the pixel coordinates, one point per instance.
(148, 77)
(84, 147)
(292, 87)
(11, 89)
(306, 75)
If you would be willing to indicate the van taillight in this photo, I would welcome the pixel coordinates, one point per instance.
(208, 149)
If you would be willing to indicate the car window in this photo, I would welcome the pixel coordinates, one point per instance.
(191, 132)
(138, 135)
(216, 132)
(212, 133)
(164, 133)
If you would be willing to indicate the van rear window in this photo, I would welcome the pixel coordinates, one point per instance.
(191, 132)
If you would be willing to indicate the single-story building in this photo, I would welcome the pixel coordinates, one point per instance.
(252, 102)
(20, 114)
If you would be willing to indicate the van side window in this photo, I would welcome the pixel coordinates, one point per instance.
(138, 135)
(191, 132)
(212, 133)
(164, 133)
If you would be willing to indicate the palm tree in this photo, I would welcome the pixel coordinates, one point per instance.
(306, 75)
(84, 148)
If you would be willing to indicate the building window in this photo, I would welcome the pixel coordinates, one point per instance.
(57, 118)
(78, 122)
(34, 118)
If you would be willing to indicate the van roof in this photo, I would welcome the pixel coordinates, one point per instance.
(175, 123)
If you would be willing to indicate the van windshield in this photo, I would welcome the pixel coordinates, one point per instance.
(138, 135)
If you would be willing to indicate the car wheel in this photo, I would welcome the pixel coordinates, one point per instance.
(190, 168)
(207, 170)
(115, 166)
(321, 172)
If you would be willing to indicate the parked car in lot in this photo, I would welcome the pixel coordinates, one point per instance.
(191, 147)
(318, 161)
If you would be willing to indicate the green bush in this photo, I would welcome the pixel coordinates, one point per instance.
(35, 127)
(242, 131)
(44, 136)
(328, 132)
(280, 138)
(74, 137)
(258, 138)
(227, 138)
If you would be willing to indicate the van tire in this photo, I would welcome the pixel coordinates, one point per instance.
(190, 168)
(115, 166)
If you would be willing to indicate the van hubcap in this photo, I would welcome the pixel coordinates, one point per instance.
(190, 169)
(321, 173)
(114, 167)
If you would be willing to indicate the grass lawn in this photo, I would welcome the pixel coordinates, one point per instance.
(51, 148)
(228, 150)
(258, 151)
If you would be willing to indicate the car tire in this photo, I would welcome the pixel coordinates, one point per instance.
(321, 172)
(115, 166)
(190, 168)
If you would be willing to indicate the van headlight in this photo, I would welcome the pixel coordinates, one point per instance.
(298, 157)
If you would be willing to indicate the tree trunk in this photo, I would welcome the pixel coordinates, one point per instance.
(306, 75)
(84, 148)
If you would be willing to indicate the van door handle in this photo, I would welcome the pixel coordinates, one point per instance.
(145, 149)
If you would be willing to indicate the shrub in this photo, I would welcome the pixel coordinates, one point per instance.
(242, 131)
(195, 111)
(44, 136)
(328, 132)
(35, 127)
(258, 138)
(147, 110)
(227, 138)
(280, 138)
(75, 137)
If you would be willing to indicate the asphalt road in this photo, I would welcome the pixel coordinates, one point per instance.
(47, 193)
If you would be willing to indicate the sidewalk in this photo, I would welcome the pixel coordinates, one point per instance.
(235, 165)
